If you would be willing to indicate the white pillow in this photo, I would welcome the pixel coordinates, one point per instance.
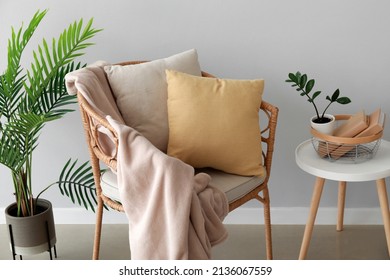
(141, 95)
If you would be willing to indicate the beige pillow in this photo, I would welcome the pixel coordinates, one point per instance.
(140, 91)
(215, 123)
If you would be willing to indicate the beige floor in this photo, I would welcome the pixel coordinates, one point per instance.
(244, 242)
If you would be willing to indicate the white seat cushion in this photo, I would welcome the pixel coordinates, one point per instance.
(109, 185)
(233, 186)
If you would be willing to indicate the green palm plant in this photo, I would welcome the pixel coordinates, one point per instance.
(31, 98)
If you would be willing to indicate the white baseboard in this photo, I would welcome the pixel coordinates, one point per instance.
(279, 215)
(299, 215)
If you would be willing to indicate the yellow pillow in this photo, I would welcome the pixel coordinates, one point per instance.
(215, 123)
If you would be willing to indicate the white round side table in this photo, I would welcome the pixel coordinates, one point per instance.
(377, 168)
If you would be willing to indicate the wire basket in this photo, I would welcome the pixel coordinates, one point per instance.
(346, 149)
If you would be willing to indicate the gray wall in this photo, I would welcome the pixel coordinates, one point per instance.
(343, 44)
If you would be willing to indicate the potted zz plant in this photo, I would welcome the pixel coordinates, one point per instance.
(320, 121)
(28, 100)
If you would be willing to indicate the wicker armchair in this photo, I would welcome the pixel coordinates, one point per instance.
(92, 121)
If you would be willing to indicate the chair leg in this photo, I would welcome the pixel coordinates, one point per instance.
(267, 223)
(98, 229)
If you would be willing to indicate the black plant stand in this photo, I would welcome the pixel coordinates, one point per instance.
(48, 242)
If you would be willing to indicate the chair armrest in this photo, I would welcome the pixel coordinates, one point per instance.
(99, 131)
(268, 133)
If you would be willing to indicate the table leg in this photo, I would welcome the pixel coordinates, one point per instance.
(384, 203)
(341, 205)
(315, 201)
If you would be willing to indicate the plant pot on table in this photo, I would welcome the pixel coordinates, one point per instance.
(324, 125)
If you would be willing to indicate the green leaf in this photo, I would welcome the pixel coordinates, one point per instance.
(302, 81)
(343, 100)
(335, 95)
(47, 53)
(309, 86)
(317, 93)
(293, 78)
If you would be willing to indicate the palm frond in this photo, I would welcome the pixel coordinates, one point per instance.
(77, 183)
(11, 83)
(23, 132)
(10, 154)
(47, 65)
(19, 139)
(55, 98)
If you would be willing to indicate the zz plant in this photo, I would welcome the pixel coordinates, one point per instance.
(304, 85)
(30, 98)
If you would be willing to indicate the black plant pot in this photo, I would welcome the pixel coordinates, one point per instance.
(34, 234)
